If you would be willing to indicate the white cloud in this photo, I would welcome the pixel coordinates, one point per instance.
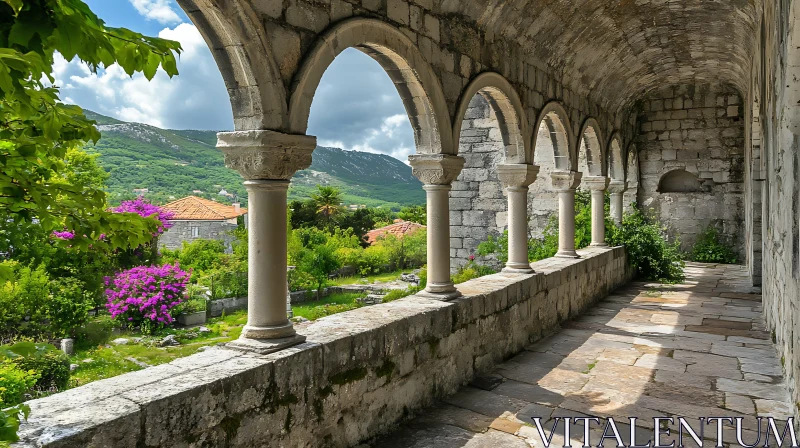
(159, 10)
(357, 107)
(195, 99)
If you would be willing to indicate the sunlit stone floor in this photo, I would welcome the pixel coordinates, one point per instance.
(696, 349)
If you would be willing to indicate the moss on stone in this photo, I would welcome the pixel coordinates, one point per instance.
(230, 425)
(386, 369)
(318, 404)
(286, 400)
(348, 376)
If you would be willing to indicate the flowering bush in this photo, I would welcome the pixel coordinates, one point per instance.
(65, 235)
(143, 296)
(143, 208)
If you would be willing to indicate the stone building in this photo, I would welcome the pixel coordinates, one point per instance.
(691, 109)
(198, 218)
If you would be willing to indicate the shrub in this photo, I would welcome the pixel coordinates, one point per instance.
(23, 302)
(406, 251)
(14, 383)
(495, 245)
(373, 260)
(227, 279)
(347, 256)
(50, 364)
(143, 296)
(711, 247)
(69, 305)
(471, 270)
(200, 255)
(319, 262)
(648, 247)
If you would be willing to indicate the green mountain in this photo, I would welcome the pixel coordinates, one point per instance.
(175, 163)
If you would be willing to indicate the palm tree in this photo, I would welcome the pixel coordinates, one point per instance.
(328, 202)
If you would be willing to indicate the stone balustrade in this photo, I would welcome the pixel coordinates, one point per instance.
(357, 374)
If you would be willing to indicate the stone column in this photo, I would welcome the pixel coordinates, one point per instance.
(516, 178)
(598, 185)
(266, 160)
(617, 188)
(565, 183)
(437, 172)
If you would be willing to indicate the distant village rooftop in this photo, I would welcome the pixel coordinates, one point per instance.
(193, 208)
(399, 229)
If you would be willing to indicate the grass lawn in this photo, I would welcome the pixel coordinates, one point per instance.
(97, 360)
(356, 279)
(334, 303)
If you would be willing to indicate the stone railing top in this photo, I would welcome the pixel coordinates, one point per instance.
(565, 180)
(436, 169)
(266, 155)
(517, 175)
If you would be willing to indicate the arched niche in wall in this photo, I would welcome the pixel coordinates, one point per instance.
(681, 181)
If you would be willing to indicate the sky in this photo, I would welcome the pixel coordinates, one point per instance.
(356, 106)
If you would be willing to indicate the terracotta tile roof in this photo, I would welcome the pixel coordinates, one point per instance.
(400, 228)
(194, 208)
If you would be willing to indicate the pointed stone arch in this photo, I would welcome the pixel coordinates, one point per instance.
(505, 103)
(591, 146)
(416, 82)
(554, 117)
(243, 54)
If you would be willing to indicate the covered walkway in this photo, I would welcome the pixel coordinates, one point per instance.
(696, 349)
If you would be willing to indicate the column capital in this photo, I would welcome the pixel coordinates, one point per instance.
(266, 155)
(596, 183)
(617, 186)
(565, 180)
(517, 175)
(436, 169)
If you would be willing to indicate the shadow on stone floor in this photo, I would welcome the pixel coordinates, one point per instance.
(695, 349)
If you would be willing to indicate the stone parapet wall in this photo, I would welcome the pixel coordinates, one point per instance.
(699, 129)
(358, 375)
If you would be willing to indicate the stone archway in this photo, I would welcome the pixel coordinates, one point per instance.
(491, 130)
(417, 84)
(244, 56)
(591, 151)
(552, 151)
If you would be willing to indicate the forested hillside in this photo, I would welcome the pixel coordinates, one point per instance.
(176, 163)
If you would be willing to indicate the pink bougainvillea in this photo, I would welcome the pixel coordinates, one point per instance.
(142, 207)
(65, 235)
(145, 295)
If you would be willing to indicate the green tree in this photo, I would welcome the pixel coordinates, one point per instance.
(328, 201)
(37, 130)
(319, 262)
(414, 213)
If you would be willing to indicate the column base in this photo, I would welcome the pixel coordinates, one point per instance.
(567, 254)
(517, 268)
(598, 245)
(265, 346)
(270, 332)
(440, 291)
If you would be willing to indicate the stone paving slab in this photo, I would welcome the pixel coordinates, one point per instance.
(695, 349)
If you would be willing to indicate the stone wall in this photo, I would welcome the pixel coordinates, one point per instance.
(209, 230)
(779, 144)
(358, 375)
(698, 129)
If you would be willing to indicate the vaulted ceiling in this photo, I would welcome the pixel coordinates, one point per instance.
(618, 50)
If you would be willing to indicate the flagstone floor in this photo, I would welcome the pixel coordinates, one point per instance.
(696, 349)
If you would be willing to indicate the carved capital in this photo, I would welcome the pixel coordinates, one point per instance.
(436, 169)
(617, 186)
(565, 180)
(517, 175)
(595, 183)
(266, 155)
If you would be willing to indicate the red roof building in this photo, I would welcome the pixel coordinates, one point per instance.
(193, 208)
(399, 229)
